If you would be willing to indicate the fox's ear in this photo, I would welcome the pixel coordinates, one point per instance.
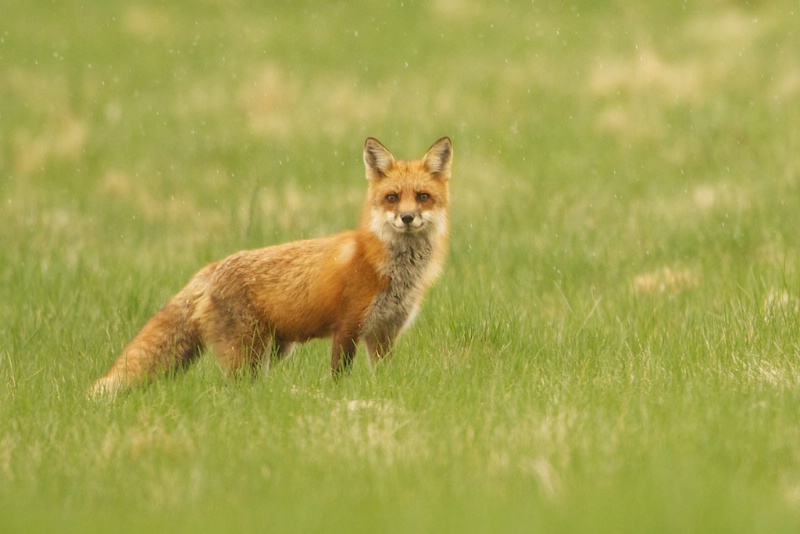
(377, 159)
(439, 156)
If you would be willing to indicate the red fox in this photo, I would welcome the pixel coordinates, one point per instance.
(365, 284)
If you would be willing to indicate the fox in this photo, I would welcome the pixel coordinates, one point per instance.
(365, 284)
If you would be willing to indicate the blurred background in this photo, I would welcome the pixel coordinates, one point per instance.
(624, 235)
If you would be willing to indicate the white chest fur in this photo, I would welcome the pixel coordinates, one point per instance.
(406, 270)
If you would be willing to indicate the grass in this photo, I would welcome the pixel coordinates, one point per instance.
(614, 345)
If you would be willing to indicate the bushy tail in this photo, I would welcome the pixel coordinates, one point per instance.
(168, 341)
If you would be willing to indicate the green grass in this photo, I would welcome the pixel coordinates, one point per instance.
(614, 345)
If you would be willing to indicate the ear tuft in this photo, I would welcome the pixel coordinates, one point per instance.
(439, 157)
(377, 159)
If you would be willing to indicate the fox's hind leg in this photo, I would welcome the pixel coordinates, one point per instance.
(236, 338)
(239, 353)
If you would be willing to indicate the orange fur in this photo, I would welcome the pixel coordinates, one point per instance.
(365, 284)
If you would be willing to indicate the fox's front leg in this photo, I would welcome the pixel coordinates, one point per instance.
(378, 347)
(343, 352)
(279, 351)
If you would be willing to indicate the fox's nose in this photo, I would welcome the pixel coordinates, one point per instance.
(407, 218)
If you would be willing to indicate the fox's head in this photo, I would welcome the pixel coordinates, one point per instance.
(408, 197)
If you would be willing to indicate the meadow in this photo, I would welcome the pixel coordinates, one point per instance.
(614, 345)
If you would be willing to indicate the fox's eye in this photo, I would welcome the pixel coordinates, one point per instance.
(392, 198)
(423, 197)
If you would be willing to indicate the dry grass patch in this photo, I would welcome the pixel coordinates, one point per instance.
(378, 432)
(665, 280)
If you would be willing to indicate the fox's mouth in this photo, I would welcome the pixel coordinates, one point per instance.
(386, 224)
(408, 221)
(407, 228)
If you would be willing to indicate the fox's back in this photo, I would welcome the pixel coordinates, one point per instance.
(298, 290)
